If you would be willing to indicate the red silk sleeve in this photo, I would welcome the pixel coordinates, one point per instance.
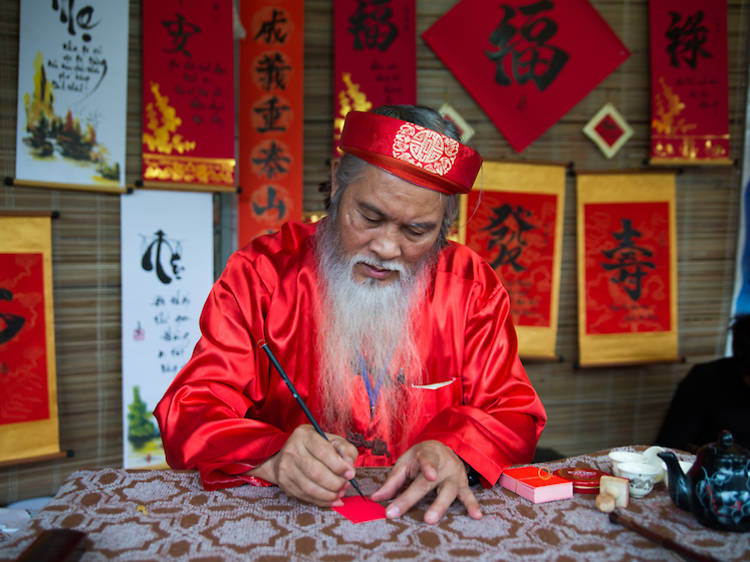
(501, 417)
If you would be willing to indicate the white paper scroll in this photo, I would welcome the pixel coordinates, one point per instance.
(167, 273)
(72, 89)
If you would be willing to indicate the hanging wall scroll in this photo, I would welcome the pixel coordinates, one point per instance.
(513, 217)
(627, 268)
(374, 57)
(689, 82)
(72, 84)
(526, 62)
(28, 381)
(167, 273)
(188, 95)
(270, 116)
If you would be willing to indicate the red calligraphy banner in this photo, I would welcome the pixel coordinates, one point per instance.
(689, 82)
(627, 268)
(28, 382)
(270, 116)
(513, 218)
(188, 94)
(526, 62)
(375, 56)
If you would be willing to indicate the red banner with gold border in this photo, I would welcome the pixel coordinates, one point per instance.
(374, 57)
(28, 382)
(270, 116)
(188, 93)
(689, 82)
(513, 217)
(627, 268)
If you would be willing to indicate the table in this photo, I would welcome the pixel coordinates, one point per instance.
(163, 514)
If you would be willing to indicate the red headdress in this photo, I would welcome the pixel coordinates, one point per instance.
(414, 153)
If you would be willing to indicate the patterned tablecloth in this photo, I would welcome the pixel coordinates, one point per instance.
(158, 515)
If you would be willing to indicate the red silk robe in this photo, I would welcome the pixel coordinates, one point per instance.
(227, 411)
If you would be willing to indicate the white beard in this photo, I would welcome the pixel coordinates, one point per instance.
(370, 322)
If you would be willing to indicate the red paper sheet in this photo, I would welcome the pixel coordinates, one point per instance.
(358, 510)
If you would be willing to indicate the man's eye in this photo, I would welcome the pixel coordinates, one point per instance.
(415, 232)
(370, 220)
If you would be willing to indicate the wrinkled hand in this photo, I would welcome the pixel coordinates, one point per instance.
(429, 465)
(310, 468)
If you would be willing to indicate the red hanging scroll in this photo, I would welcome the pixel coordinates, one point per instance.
(188, 94)
(513, 218)
(627, 268)
(689, 82)
(270, 116)
(375, 56)
(526, 62)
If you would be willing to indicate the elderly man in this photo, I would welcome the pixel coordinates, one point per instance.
(400, 342)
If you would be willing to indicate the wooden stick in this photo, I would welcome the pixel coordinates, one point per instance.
(115, 190)
(666, 542)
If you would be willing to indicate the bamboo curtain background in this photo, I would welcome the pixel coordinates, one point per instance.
(589, 409)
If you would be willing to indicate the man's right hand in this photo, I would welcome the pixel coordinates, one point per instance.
(310, 468)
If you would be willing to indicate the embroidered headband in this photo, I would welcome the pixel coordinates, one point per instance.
(414, 153)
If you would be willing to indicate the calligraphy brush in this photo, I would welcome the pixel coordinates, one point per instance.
(298, 398)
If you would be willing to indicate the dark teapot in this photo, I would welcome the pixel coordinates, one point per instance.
(716, 489)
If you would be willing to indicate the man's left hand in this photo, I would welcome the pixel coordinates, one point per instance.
(429, 465)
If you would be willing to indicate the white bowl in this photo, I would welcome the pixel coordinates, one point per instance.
(619, 457)
(642, 476)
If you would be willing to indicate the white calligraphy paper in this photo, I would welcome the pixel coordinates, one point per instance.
(72, 86)
(167, 273)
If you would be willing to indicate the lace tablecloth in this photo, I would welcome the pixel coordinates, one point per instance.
(157, 515)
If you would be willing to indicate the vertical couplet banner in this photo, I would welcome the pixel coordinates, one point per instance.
(526, 63)
(374, 57)
(28, 383)
(627, 268)
(513, 218)
(270, 116)
(689, 82)
(167, 273)
(72, 85)
(188, 93)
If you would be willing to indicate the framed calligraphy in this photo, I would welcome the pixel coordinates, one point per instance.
(526, 62)
(627, 268)
(689, 82)
(28, 381)
(270, 116)
(374, 57)
(72, 84)
(167, 273)
(513, 217)
(188, 95)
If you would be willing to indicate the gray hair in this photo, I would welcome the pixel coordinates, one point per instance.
(351, 167)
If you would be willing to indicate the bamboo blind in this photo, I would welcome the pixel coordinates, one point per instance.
(588, 409)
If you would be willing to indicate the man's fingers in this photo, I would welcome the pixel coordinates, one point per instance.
(446, 494)
(427, 465)
(345, 450)
(328, 454)
(392, 484)
(470, 502)
(419, 487)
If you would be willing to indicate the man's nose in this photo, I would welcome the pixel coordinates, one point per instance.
(386, 244)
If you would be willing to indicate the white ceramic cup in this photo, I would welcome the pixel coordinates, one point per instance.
(619, 457)
(642, 476)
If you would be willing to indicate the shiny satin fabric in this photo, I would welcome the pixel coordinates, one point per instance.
(227, 410)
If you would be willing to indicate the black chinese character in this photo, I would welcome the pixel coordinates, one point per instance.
(271, 113)
(272, 204)
(531, 58)
(371, 25)
(180, 31)
(627, 263)
(82, 18)
(147, 263)
(272, 160)
(509, 240)
(686, 40)
(10, 324)
(270, 30)
(272, 69)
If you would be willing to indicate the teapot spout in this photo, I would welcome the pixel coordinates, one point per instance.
(680, 489)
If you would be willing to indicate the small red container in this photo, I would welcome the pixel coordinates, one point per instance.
(585, 479)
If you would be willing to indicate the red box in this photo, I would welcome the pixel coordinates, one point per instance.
(536, 484)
